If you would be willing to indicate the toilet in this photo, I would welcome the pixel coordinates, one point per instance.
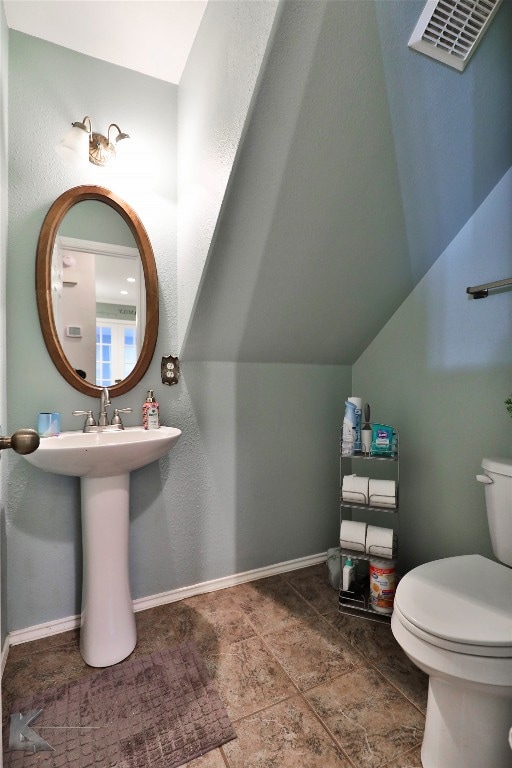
(453, 619)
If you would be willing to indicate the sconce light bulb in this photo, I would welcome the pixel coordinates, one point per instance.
(74, 146)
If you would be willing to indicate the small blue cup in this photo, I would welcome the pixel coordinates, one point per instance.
(48, 424)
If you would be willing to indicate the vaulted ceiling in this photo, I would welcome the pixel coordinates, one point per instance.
(149, 37)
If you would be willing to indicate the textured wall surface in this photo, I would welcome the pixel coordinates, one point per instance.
(331, 215)
(253, 480)
(51, 86)
(4, 47)
(362, 161)
(214, 99)
(440, 371)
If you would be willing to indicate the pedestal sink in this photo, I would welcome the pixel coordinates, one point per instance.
(103, 460)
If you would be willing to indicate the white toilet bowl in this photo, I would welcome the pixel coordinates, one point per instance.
(453, 618)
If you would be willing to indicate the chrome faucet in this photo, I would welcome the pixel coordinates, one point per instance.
(116, 423)
(104, 403)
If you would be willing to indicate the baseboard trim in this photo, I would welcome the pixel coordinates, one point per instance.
(39, 631)
(3, 661)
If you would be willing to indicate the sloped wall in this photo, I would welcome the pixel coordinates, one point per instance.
(215, 97)
(361, 162)
(440, 371)
(447, 160)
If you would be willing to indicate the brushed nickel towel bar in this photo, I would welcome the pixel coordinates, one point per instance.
(482, 291)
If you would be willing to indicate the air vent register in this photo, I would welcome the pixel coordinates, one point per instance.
(450, 30)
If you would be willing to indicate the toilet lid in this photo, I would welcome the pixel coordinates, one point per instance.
(465, 600)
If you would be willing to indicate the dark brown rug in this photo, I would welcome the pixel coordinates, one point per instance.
(159, 711)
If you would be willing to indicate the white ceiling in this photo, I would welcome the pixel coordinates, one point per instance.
(149, 36)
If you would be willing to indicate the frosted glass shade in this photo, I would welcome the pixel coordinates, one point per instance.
(74, 146)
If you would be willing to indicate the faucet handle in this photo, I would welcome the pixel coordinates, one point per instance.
(116, 418)
(89, 421)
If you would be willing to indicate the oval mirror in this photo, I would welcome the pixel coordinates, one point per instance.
(97, 291)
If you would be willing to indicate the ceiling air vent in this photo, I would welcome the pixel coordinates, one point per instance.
(450, 30)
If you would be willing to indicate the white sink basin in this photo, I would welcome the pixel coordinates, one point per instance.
(103, 462)
(102, 454)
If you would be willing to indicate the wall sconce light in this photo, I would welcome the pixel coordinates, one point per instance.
(81, 143)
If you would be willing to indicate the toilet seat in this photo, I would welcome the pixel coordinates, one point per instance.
(462, 604)
(488, 651)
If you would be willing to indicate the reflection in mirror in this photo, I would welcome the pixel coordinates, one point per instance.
(97, 291)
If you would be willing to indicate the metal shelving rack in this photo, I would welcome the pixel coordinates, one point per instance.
(349, 602)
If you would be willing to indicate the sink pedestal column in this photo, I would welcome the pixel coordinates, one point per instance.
(108, 634)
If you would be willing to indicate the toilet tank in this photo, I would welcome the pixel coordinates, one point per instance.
(498, 499)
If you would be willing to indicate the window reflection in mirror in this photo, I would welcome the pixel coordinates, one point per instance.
(98, 293)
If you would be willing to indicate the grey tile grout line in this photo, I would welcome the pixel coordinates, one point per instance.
(381, 673)
(398, 689)
(259, 634)
(329, 733)
(299, 692)
(324, 617)
(223, 755)
(310, 707)
(389, 764)
(364, 659)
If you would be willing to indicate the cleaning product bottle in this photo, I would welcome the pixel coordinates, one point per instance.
(348, 429)
(348, 574)
(358, 403)
(150, 412)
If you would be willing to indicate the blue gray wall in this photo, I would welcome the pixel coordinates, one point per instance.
(253, 480)
(440, 371)
(349, 182)
(361, 162)
(4, 47)
(215, 98)
(50, 87)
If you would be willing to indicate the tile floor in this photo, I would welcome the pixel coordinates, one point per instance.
(305, 686)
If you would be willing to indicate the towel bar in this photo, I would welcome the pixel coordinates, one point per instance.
(482, 291)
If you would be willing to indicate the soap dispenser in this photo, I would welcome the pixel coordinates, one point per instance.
(150, 412)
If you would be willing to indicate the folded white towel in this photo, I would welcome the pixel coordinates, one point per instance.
(355, 488)
(353, 535)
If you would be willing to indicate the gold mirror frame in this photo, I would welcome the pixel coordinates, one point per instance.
(45, 246)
